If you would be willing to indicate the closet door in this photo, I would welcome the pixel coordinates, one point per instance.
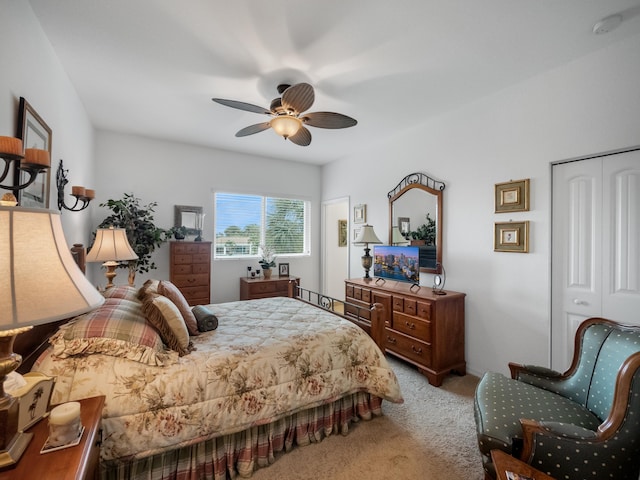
(595, 246)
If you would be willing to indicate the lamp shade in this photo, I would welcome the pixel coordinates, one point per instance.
(397, 238)
(111, 244)
(366, 236)
(286, 125)
(41, 282)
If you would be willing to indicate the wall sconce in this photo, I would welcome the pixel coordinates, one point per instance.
(365, 237)
(82, 194)
(32, 160)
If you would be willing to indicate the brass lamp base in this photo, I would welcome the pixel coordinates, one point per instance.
(15, 450)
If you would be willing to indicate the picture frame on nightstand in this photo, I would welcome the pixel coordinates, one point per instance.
(283, 269)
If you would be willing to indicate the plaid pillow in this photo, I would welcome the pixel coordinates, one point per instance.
(121, 291)
(117, 328)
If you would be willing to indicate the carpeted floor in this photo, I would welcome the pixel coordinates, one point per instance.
(431, 436)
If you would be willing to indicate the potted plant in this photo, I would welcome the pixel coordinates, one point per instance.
(425, 233)
(267, 259)
(179, 233)
(143, 235)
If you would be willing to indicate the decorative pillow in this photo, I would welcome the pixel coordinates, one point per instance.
(121, 291)
(148, 287)
(206, 319)
(117, 328)
(165, 316)
(170, 291)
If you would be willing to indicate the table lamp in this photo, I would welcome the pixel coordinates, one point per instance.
(41, 284)
(111, 246)
(365, 237)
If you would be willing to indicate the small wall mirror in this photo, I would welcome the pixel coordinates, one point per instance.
(415, 207)
(186, 216)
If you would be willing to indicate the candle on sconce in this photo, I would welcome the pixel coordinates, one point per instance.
(77, 191)
(64, 424)
(37, 157)
(90, 194)
(10, 146)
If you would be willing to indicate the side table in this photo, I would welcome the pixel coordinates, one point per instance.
(79, 462)
(252, 288)
(504, 462)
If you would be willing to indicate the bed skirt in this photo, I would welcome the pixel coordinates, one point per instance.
(240, 454)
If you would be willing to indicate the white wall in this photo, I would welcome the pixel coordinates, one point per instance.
(177, 174)
(590, 105)
(32, 70)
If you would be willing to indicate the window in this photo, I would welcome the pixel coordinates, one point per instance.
(244, 222)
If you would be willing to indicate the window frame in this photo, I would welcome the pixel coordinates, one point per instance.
(263, 219)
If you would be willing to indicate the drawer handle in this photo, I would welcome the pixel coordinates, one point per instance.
(416, 350)
(412, 326)
(391, 340)
(191, 280)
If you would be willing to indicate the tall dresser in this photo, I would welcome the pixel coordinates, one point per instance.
(190, 270)
(421, 327)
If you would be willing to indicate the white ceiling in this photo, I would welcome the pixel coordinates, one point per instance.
(151, 67)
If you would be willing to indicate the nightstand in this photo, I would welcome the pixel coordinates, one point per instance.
(80, 462)
(252, 288)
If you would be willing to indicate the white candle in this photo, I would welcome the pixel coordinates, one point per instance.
(64, 424)
(65, 413)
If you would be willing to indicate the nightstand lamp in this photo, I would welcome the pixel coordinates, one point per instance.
(41, 284)
(365, 237)
(111, 246)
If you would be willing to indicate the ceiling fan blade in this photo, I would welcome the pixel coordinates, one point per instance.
(302, 137)
(251, 129)
(328, 120)
(298, 98)
(248, 107)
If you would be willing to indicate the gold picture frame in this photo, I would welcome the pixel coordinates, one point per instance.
(342, 233)
(512, 196)
(360, 214)
(511, 237)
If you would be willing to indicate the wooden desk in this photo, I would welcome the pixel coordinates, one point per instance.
(505, 462)
(80, 462)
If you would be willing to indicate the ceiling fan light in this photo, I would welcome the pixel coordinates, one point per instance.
(286, 125)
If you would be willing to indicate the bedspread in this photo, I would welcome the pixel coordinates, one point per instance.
(268, 358)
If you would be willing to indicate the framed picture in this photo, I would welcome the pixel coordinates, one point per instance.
(342, 233)
(356, 232)
(35, 133)
(511, 237)
(512, 196)
(283, 269)
(360, 214)
(187, 216)
(404, 225)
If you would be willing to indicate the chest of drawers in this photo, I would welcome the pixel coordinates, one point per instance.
(190, 270)
(422, 328)
(251, 288)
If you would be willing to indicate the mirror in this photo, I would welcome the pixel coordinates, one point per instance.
(186, 216)
(415, 207)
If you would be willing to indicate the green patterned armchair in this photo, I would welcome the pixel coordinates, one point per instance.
(582, 424)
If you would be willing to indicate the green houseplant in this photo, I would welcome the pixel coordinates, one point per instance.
(143, 235)
(426, 232)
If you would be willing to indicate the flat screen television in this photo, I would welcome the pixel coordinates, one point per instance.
(400, 263)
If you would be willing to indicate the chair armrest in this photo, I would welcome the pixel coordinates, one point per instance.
(566, 431)
(517, 369)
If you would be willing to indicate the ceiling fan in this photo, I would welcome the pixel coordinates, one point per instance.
(288, 118)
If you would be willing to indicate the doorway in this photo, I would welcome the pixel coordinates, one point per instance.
(595, 245)
(335, 247)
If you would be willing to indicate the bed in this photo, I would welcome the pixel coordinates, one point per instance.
(275, 373)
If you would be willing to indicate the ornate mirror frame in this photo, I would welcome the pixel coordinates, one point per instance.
(420, 182)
